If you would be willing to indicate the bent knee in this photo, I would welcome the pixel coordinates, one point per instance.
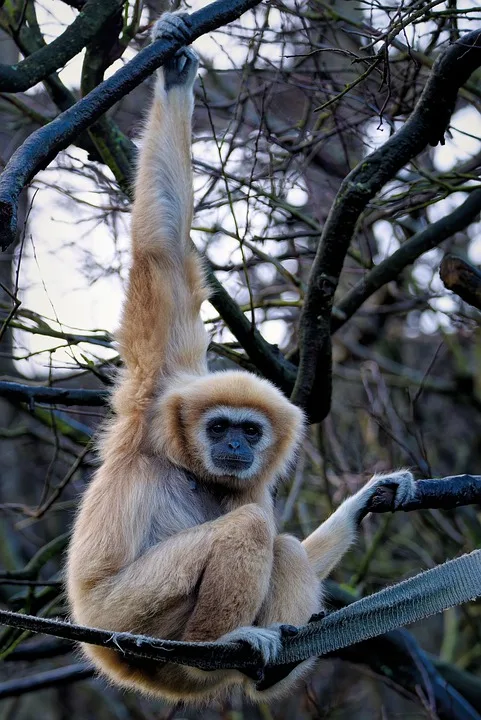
(254, 522)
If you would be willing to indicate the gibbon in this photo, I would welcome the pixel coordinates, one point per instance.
(176, 536)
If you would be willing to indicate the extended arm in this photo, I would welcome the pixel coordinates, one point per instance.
(326, 545)
(161, 333)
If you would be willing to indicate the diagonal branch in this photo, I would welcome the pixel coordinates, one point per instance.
(44, 62)
(267, 358)
(392, 266)
(426, 125)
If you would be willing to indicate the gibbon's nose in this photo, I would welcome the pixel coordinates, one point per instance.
(234, 444)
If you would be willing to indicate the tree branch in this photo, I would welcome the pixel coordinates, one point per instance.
(462, 278)
(445, 493)
(52, 395)
(427, 124)
(391, 267)
(44, 144)
(48, 679)
(44, 62)
(266, 357)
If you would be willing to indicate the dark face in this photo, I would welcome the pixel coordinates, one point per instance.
(232, 443)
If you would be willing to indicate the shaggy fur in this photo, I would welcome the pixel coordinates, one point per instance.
(162, 545)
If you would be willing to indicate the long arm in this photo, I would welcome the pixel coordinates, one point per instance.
(161, 333)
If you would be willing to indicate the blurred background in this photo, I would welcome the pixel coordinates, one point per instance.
(289, 99)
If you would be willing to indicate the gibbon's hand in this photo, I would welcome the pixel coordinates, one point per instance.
(401, 484)
(181, 69)
(173, 25)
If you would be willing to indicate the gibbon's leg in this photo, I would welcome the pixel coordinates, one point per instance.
(235, 579)
(326, 545)
(294, 596)
(222, 568)
(295, 592)
(199, 585)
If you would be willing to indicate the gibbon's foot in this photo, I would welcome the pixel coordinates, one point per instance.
(181, 69)
(267, 642)
(172, 25)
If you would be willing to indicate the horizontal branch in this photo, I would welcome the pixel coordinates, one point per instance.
(434, 493)
(462, 278)
(41, 147)
(43, 680)
(206, 655)
(392, 266)
(426, 125)
(52, 395)
(52, 57)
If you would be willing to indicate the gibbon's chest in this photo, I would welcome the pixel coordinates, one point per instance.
(178, 502)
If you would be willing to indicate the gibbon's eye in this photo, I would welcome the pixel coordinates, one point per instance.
(218, 427)
(252, 430)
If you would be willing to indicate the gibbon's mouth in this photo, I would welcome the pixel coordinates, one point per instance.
(232, 464)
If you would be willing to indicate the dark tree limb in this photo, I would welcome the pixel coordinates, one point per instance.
(52, 395)
(43, 680)
(397, 656)
(435, 493)
(44, 144)
(116, 150)
(44, 62)
(462, 278)
(426, 125)
(390, 268)
(266, 357)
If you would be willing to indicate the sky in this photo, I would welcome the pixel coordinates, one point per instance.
(68, 247)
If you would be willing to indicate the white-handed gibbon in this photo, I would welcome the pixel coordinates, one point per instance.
(176, 536)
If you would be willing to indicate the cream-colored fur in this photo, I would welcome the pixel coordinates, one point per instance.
(162, 545)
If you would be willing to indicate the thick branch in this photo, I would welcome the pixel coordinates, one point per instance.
(52, 395)
(44, 144)
(462, 278)
(427, 124)
(44, 62)
(444, 493)
(391, 267)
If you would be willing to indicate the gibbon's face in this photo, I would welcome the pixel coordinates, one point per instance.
(234, 439)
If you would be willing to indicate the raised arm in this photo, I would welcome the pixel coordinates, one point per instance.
(161, 333)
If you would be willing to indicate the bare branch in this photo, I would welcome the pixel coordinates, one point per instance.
(266, 357)
(391, 267)
(44, 62)
(444, 493)
(48, 679)
(52, 395)
(426, 125)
